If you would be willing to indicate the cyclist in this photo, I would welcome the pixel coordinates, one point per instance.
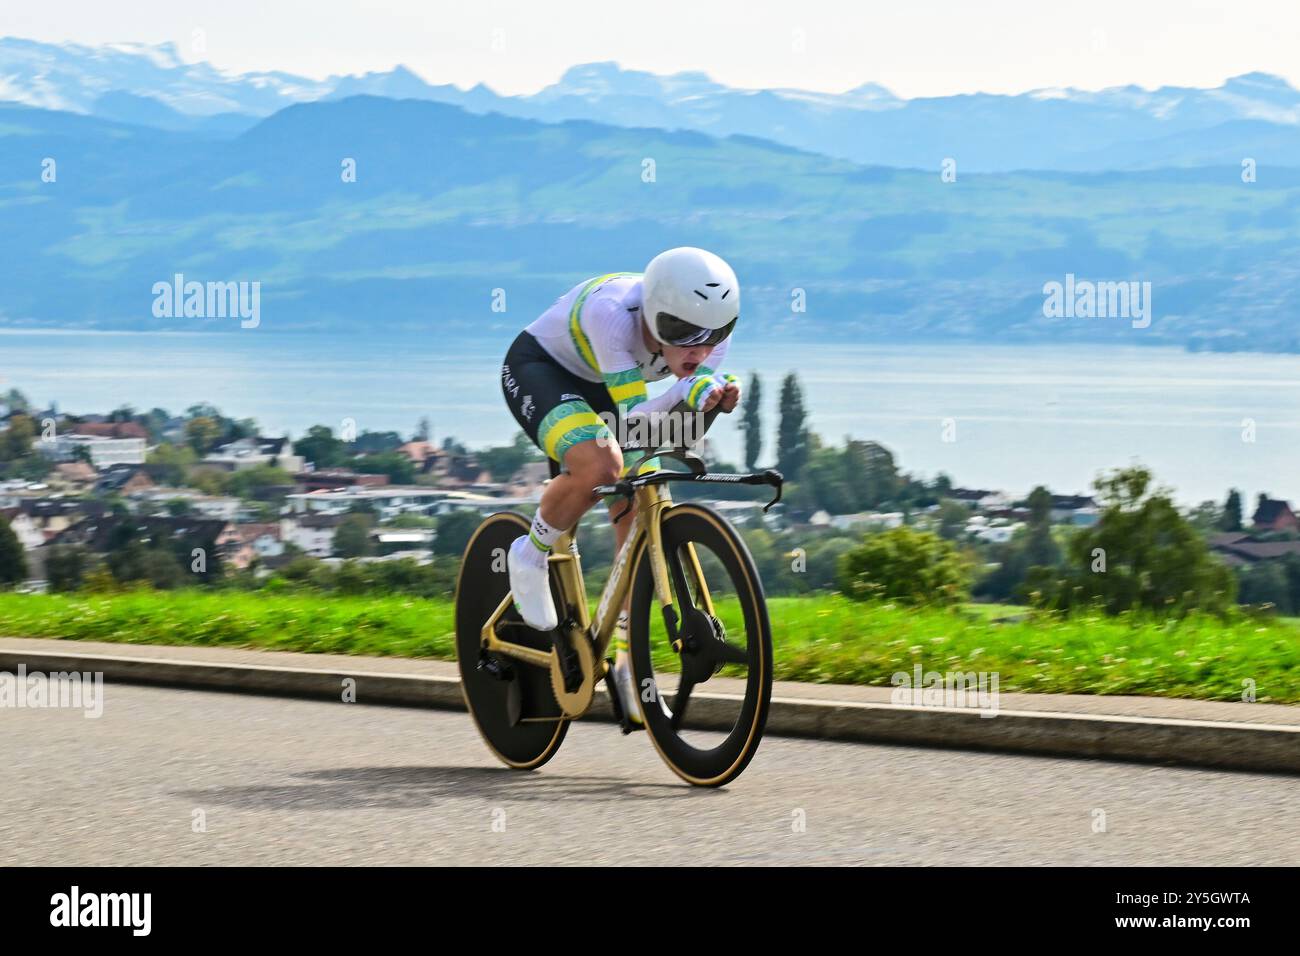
(592, 352)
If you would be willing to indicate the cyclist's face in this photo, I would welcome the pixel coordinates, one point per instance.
(681, 361)
(686, 361)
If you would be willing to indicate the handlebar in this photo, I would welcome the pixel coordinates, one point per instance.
(627, 487)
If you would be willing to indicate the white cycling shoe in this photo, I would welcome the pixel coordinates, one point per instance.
(530, 584)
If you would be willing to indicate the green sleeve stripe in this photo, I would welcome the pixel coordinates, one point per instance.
(623, 378)
(576, 332)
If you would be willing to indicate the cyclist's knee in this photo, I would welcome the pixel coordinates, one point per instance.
(594, 463)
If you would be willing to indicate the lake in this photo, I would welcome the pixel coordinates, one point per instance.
(990, 416)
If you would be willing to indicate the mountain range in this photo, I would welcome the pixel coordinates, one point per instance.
(452, 202)
(1254, 115)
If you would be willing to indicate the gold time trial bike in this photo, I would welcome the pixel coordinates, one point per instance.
(697, 611)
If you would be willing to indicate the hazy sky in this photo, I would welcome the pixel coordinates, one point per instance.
(914, 47)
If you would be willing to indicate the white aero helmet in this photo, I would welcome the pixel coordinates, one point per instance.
(690, 297)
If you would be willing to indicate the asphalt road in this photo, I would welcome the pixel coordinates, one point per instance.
(301, 782)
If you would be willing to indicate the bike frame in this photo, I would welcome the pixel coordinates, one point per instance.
(649, 503)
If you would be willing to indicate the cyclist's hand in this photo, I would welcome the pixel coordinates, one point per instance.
(711, 399)
(730, 394)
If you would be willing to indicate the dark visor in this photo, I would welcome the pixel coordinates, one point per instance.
(676, 331)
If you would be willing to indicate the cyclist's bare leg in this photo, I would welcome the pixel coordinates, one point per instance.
(568, 496)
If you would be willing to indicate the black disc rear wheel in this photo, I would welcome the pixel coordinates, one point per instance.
(511, 702)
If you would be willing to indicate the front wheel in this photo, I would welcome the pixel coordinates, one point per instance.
(707, 736)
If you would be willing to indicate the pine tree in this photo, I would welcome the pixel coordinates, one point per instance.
(751, 422)
(1231, 520)
(792, 433)
(13, 563)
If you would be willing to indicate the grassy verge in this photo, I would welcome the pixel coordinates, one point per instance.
(818, 639)
(399, 626)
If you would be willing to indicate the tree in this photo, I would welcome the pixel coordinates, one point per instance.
(31, 468)
(905, 565)
(16, 440)
(953, 516)
(140, 562)
(1259, 504)
(792, 433)
(1265, 583)
(871, 473)
(1141, 554)
(751, 421)
(423, 430)
(247, 481)
(1207, 517)
(827, 476)
(352, 539)
(321, 448)
(155, 421)
(369, 443)
(1041, 549)
(65, 567)
(202, 433)
(172, 462)
(210, 481)
(454, 530)
(13, 563)
(504, 461)
(15, 401)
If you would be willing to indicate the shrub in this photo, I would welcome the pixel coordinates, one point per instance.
(65, 567)
(905, 565)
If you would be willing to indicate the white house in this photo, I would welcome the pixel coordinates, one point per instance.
(882, 520)
(252, 452)
(104, 452)
(389, 501)
(996, 534)
(313, 533)
(28, 532)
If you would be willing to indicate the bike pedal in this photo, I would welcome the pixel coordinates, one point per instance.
(496, 669)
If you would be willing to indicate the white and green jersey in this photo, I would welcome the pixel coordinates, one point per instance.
(594, 332)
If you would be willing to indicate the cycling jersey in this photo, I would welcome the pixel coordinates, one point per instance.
(594, 332)
(586, 354)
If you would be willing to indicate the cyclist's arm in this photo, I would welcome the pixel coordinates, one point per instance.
(610, 326)
(694, 390)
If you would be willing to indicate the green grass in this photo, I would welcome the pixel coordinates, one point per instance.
(830, 639)
(818, 639)
(399, 626)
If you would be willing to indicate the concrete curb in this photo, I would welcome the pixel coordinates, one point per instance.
(1270, 748)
